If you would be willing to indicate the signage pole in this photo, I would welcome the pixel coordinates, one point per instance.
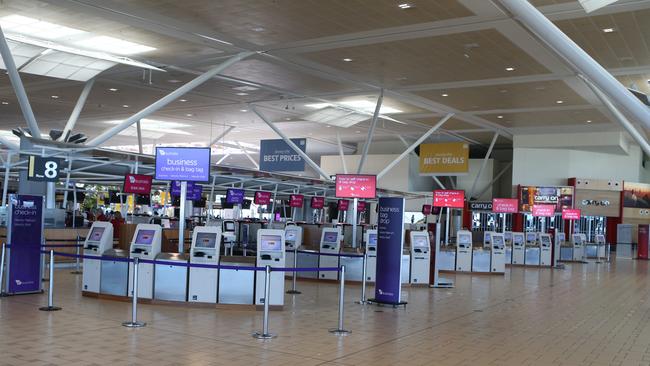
(181, 219)
(354, 222)
(275, 192)
(447, 225)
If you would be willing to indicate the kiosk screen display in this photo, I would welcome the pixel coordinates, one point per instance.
(600, 239)
(229, 226)
(330, 237)
(420, 241)
(145, 237)
(546, 240)
(508, 236)
(518, 239)
(372, 239)
(271, 243)
(206, 240)
(290, 235)
(560, 237)
(497, 240)
(465, 239)
(530, 237)
(96, 234)
(486, 236)
(577, 239)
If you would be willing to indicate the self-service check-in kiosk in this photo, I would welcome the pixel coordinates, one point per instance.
(99, 240)
(557, 246)
(601, 245)
(292, 241)
(144, 245)
(507, 237)
(487, 239)
(330, 243)
(518, 248)
(545, 250)
(566, 248)
(498, 253)
(228, 236)
(578, 241)
(270, 252)
(464, 251)
(371, 258)
(204, 250)
(532, 249)
(420, 257)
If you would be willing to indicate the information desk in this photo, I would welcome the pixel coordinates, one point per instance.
(235, 286)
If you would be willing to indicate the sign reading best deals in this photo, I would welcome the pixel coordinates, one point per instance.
(444, 159)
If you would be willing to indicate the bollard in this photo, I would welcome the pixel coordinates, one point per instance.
(340, 330)
(50, 295)
(134, 323)
(363, 280)
(265, 334)
(2, 271)
(295, 273)
(77, 269)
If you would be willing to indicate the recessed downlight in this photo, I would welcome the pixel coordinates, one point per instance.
(405, 6)
(608, 30)
(55, 97)
(4, 103)
(500, 117)
(125, 106)
(241, 94)
(243, 110)
(347, 59)
(445, 94)
(183, 100)
(588, 121)
(113, 89)
(559, 101)
(510, 68)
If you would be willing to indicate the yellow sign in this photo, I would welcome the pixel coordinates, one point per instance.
(444, 159)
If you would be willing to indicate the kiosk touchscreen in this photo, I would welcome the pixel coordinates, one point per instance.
(98, 241)
(507, 236)
(270, 252)
(370, 238)
(487, 239)
(498, 253)
(293, 241)
(204, 250)
(228, 235)
(144, 245)
(578, 241)
(330, 243)
(420, 257)
(464, 251)
(532, 249)
(545, 246)
(518, 248)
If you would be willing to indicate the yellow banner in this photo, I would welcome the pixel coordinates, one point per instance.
(444, 159)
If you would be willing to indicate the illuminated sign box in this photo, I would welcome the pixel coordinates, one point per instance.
(356, 186)
(191, 164)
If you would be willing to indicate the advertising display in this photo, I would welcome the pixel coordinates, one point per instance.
(560, 197)
(234, 196)
(317, 202)
(543, 210)
(190, 164)
(449, 198)
(356, 186)
(193, 193)
(636, 200)
(390, 246)
(505, 205)
(361, 206)
(296, 200)
(343, 205)
(25, 237)
(278, 156)
(444, 159)
(262, 198)
(137, 184)
(570, 214)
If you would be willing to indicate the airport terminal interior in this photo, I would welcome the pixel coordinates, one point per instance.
(325, 182)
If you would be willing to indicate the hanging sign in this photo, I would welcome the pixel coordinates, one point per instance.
(449, 198)
(480, 206)
(175, 188)
(570, 214)
(543, 210)
(43, 169)
(390, 245)
(361, 206)
(234, 196)
(137, 184)
(262, 198)
(25, 237)
(444, 159)
(317, 202)
(278, 156)
(190, 164)
(426, 210)
(296, 200)
(343, 205)
(356, 186)
(505, 205)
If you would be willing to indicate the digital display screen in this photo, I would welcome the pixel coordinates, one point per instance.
(508, 236)
(519, 239)
(230, 226)
(372, 239)
(577, 239)
(206, 240)
(290, 234)
(183, 163)
(545, 239)
(96, 234)
(234, 196)
(464, 239)
(330, 237)
(486, 236)
(600, 238)
(145, 237)
(497, 240)
(560, 237)
(271, 243)
(530, 237)
(421, 241)
(356, 186)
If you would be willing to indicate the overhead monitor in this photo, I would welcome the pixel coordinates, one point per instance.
(262, 198)
(356, 186)
(145, 237)
(420, 241)
(96, 233)
(234, 196)
(271, 243)
(137, 184)
(183, 163)
(330, 237)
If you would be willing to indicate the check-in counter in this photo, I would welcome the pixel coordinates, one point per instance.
(447, 260)
(114, 273)
(566, 252)
(480, 259)
(236, 286)
(170, 278)
(353, 265)
(308, 259)
(593, 250)
(508, 254)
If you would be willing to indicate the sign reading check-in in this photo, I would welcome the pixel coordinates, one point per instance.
(191, 164)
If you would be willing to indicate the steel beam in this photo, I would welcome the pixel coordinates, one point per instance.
(406, 144)
(221, 135)
(72, 121)
(371, 132)
(139, 131)
(338, 140)
(439, 182)
(257, 166)
(223, 158)
(502, 172)
(484, 164)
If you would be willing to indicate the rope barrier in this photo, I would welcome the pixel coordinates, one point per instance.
(347, 255)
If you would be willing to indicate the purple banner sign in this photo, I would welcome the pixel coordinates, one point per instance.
(194, 191)
(190, 164)
(234, 196)
(25, 238)
(390, 244)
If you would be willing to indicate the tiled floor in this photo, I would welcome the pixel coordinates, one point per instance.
(593, 314)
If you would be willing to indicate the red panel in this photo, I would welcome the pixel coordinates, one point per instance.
(643, 241)
(356, 186)
(449, 198)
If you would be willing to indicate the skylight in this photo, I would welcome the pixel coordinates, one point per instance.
(363, 105)
(336, 117)
(37, 28)
(113, 45)
(151, 127)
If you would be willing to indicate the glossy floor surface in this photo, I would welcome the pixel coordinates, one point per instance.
(587, 314)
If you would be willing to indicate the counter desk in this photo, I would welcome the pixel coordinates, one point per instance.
(237, 286)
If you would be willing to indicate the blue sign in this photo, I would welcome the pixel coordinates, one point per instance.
(190, 164)
(25, 237)
(193, 193)
(390, 244)
(234, 196)
(278, 156)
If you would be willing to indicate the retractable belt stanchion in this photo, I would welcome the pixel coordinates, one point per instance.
(2, 270)
(340, 330)
(265, 334)
(134, 323)
(77, 269)
(363, 279)
(607, 249)
(293, 290)
(44, 265)
(50, 294)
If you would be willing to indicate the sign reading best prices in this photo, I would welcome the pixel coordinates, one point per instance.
(444, 159)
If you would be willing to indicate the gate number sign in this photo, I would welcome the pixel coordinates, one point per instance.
(44, 169)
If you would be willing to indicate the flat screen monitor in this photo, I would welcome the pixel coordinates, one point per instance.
(229, 226)
(206, 240)
(531, 237)
(330, 237)
(271, 243)
(420, 241)
(143, 200)
(96, 234)
(464, 239)
(577, 239)
(519, 239)
(166, 223)
(497, 240)
(508, 236)
(246, 205)
(225, 204)
(145, 237)
(545, 239)
(372, 239)
(486, 236)
(290, 234)
(600, 238)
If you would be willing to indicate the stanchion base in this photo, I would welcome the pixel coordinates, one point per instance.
(442, 285)
(294, 292)
(134, 324)
(361, 302)
(260, 335)
(76, 272)
(49, 308)
(4, 294)
(341, 332)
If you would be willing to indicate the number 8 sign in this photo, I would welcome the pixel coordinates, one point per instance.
(43, 169)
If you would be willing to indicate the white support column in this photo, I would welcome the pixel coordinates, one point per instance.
(484, 164)
(67, 183)
(371, 132)
(338, 140)
(5, 184)
(414, 145)
(72, 121)
(406, 144)
(439, 182)
(211, 199)
(247, 155)
(139, 131)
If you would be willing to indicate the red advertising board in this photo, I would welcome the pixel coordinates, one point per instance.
(262, 198)
(295, 200)
(137, 183)
(317, 202)
(505, 205)
(361, 206)
(544, 210)
(356, 186)
(570, 214)
(426, 209)
(343, 205)
(449, 198)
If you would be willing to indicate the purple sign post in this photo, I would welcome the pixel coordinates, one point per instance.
(25, 238)
(390, 244)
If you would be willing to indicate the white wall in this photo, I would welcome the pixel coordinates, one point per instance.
(465, 182)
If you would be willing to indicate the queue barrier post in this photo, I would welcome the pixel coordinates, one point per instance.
(362, 301)
(293, 290)
(265, 334)
(50, 292)
(607, 249)
(77, 264)
(2, 270)
(134, 323)
(340, 330)
(45, 266)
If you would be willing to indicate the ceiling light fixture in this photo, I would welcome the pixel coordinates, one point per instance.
(500, 117)
(113, 89)
(4, 103)
(445, 94)
(348, 59)
(125, 106)
(243, 110)
(55, 97)
(405, 6)
(241, 94)
(588, 121)
(190, 114)
(183, 100)
(559, 101)
(509, 68)
(608, 30)
(174, 81)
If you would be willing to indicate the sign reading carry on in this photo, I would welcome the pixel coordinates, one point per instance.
(444, 159)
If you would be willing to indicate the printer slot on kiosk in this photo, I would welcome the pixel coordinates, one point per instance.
(98, 241)
(292, 241)
(545, 243)
(518, 248)
(464, 251)
(578, 241)
(228, 235)
(204, 250)
(507, 237)
(144, 245)
(498, 253)
(420, 257)
(270, 252)
(371, 254)
(532, 249)
(330, 243)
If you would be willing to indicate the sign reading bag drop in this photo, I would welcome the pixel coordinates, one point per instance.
(444, 159)
(190, 164)
(278, 156)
